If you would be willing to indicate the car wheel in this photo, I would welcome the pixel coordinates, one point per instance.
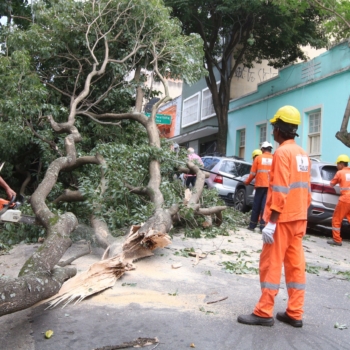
(239, 202)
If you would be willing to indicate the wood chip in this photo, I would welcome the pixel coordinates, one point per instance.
(176, 266)
(200, 256)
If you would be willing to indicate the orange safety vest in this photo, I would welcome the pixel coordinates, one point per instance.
(289, 191)
(342, 177)
(261, 170)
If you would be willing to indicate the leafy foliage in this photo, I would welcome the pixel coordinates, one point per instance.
(45, 64)
(336, 14)
(239, 267)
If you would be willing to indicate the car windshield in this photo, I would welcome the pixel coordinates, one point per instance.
(235, 168)
(328, 172)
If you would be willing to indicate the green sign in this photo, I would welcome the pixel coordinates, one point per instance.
(161, 118)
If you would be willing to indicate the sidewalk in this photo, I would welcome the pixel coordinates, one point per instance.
(156, 300)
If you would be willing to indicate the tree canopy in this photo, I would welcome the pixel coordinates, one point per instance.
(243, 32)
(335, 12)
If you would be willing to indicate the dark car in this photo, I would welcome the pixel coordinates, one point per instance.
(227, 174)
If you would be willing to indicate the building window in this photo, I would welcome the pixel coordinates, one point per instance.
(190, 112)
(207, 104)
(314, 135)
(262, 133)
(241, 148)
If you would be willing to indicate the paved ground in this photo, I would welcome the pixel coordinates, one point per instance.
(156, 300)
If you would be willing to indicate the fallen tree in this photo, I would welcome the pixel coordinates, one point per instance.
(72, 62)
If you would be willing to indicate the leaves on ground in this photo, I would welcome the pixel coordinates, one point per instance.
(48, 334)
(240, 267)
(340, 326)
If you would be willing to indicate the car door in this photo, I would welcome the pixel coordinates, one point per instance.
(228, 168)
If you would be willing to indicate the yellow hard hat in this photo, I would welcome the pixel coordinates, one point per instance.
(256, 152)
(343, 158)
(288, 114)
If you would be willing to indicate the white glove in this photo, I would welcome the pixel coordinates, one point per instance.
(267, 233)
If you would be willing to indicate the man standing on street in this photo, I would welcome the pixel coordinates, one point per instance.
(342, 210)
(261, 172)
(288, 199)
(192, 156)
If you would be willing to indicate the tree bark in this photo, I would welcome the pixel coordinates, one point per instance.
(343, 134)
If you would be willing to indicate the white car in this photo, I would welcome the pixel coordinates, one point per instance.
(226, 176)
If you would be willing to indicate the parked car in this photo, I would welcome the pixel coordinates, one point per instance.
(227, 176)
(324, 197)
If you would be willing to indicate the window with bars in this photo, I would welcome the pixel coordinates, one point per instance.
(208, 110)
(190, 111)
(262, 133)
(314, 135)
(241, 143)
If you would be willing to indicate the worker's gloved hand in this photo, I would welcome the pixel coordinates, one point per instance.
(267, 233)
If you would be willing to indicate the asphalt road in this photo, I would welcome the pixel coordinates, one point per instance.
(156, 300)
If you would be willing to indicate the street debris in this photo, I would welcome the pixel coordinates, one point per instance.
(48, 334)
(340, 326)
(176, 265)
(137, 343)
(216, 301)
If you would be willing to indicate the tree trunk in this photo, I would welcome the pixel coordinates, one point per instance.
(38, 279)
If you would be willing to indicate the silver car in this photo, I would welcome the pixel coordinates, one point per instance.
(226, 176)
(324, 197)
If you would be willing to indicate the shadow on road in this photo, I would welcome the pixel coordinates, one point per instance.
(326, 231)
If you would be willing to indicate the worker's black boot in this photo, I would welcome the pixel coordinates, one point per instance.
(256, 320)
(283, 317)
(333, 242)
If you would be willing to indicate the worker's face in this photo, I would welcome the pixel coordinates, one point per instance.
(275, 133)
(340, 166)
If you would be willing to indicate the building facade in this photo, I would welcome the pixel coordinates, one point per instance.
(319, 88)
(198, 124)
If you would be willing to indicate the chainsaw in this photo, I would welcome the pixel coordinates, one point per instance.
(9, 211)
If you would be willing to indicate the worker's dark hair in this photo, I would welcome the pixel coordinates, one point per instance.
(288, 131)
(345, 163)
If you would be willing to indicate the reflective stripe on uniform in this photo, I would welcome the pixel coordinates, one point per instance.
(269, 285)
(281, 189)
(299, 184)
(344, 188)
(295, 285)
(251, 173)
(336, 228)
(263, 171)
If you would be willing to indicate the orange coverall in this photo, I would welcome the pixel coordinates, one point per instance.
(289, 194)
(342, 210)
(261, 172)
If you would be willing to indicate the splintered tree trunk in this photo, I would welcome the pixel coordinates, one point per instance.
(343, 134)
(140, 243)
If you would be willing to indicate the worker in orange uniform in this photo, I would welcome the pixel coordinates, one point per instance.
(342, 210)
(288, 199)
(261, 172)
(9, 191)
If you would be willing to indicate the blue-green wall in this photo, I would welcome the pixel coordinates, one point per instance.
(325, 87)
